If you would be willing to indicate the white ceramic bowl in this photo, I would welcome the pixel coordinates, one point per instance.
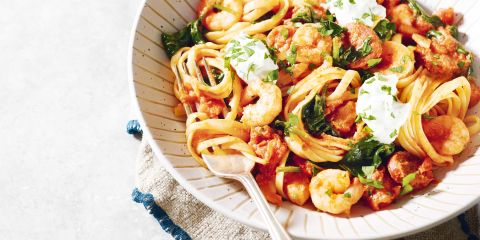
(151, 84)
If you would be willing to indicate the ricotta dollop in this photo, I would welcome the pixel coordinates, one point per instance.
(251, 59)
(379, 108)
(347, 11)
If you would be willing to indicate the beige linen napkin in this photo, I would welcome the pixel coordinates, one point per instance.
(201, 222)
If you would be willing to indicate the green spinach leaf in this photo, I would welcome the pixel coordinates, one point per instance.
(313, 116)
(367, 152)
(385, 29)
(190, 35)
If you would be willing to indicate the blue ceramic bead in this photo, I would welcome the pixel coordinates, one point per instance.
(133, 127)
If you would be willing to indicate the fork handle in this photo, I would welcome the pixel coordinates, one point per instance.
(277, 231)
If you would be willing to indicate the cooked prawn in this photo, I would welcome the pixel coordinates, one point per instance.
(448, 135)
(280, 39)
(332, 191)
(440, 54)
(310, 45)
(406, 21)
(296, 186)
(268, 106)
(358, 33)
(220, 16)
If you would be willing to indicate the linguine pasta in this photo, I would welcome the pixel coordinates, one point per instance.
(332, 108)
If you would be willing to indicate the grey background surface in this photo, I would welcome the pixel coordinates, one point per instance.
(66, 164)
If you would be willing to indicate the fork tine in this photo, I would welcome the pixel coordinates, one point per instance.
(211, 79)
(199, 75)
(187, 107)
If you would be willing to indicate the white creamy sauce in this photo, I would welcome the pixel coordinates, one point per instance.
(379, 108)
(348, 11)
(251, 59)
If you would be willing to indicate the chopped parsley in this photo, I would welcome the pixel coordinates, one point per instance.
(284, 33)
(272, 76)
(347, 195)
(329, 192)
(406, 187)
(462, 50)
(329, 28)
(394, 133)
(387, 89)
(373, 62)
(291, 89)
(433, 34)
(292, 57)
(398, 69)
(454, 31)
(371, 182)
(289, 126)
(363, 91)
(338, 4)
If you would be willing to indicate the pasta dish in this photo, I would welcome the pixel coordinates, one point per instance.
(337, 101)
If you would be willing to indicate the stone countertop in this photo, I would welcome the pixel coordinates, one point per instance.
(66, 163)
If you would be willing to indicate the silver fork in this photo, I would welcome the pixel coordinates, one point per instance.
(238, 167)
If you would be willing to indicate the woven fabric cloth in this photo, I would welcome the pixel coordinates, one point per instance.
(187, 214)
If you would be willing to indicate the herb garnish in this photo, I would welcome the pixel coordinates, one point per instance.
(289, 126)
(373, 62)
(406, 187)
(398, 69)
(433, 34)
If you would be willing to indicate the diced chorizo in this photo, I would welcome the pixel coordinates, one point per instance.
(403, 163)
(358, 34)
(343, 117)
(381, 198)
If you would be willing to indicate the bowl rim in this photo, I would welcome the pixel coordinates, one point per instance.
(211, 204)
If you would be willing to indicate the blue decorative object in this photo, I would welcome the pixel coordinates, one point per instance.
(466, 228)
(133, 127)
(163, 219)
